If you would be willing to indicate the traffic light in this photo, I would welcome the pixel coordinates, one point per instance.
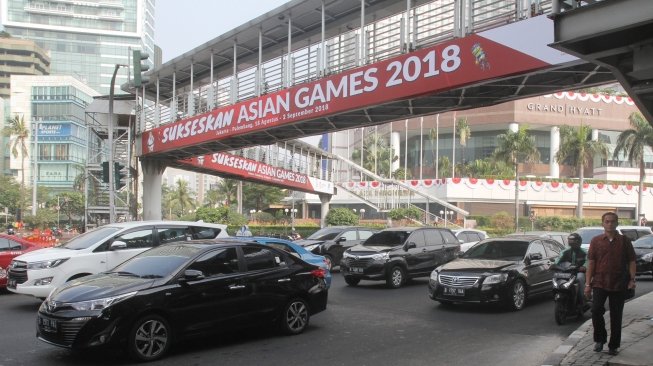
(105, 171)
(120, 175)
(140, 67)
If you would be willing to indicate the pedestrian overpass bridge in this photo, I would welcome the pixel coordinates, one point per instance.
(235, 106)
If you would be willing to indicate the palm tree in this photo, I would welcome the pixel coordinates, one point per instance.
(228, 189)
(464, 133)
(377, 155)
(578, 149)
(513, 148)
(18, 131)
(632, 143)
(182, 197)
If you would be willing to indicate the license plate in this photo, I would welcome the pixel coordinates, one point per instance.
(48, 325)
(453, 291)
(356, 270)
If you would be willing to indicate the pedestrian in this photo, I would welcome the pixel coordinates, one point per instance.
(610, 273)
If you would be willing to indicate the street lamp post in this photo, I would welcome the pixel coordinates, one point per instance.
(362, 211)
(443, 217)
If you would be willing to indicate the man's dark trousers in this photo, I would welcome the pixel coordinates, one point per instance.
(616, 304)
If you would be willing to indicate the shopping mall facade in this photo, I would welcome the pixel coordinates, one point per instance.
(548, 188)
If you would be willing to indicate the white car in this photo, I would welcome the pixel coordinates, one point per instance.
(37, 273)
(469, 237)
(632, 232)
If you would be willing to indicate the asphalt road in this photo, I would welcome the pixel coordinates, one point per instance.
(364, 325)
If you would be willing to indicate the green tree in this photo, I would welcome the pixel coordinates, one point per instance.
(10, 193)
(228, 190)
(220, 215)
(377, 155)
(578, 150)
(341, 216)
(18, 132)
(181, 198)
(464, 133)
(444, 165)
(212, 198)
(514, 148)
(633, 143)
(71, 205)
(261, 196)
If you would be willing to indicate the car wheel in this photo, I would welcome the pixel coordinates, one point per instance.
(295, 316)
(150, 338)
(351, 281)
(396, 277)
(516, 296)
(329, 261)
(560, 313)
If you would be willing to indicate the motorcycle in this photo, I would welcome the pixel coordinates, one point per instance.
(11, 231)
(565, 293)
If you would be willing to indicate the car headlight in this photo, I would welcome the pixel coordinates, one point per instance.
(311, 247)
(381, 256)
(347, 255)
(648, 257)
(46, 264)
(100, 304)
(497, 278)
(434, 275)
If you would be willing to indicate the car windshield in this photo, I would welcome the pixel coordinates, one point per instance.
(328, 233)
(157, 262)
(90, 238)
(387, 239)
(587, 234)
(645, 242)
(506, 250)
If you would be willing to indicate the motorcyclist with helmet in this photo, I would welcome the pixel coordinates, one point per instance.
(577, 257)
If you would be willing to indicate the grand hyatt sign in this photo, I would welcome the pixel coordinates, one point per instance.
(566, 109)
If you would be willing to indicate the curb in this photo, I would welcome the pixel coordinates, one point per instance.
(559, 354)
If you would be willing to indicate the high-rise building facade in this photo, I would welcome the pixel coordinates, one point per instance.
(85, 39)
(20, 57)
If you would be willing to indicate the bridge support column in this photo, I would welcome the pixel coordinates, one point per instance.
(554, 167)
(324, 208)
(152, 174)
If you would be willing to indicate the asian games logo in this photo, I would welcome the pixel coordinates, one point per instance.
(200, 160)
(480, 56)
(150, 142)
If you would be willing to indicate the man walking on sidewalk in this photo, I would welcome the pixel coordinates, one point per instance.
(610, 272)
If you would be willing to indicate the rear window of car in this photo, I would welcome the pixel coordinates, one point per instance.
(199, 232)
(387, 238)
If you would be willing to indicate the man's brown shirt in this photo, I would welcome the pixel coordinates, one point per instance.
(609, 263)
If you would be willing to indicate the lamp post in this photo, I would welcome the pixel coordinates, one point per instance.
(112, 181)
(362, 211)
(443, 217)
(36, 166)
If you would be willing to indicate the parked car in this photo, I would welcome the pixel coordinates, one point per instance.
(469, 237)
(182, 290)
(644, 252)
(12, 246)
(37, 273)
(504, 270)
(331, 242)
(560, 236)
(294, 249)
(632, 232)
(398, 254)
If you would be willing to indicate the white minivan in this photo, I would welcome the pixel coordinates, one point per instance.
(38, 272)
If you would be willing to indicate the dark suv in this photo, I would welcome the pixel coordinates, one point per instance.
(397, 254)
(332, 241)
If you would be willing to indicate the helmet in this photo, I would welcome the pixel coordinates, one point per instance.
(574, 240)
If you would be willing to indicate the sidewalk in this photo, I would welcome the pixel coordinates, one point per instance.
(636, 340)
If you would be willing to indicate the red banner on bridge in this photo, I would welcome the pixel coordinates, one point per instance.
(264, 173)
(430, 70)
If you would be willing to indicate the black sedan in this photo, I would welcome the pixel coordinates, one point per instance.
(500, 270)
(183, 290)
(644, 254)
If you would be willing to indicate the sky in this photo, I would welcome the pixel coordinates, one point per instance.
(184, 25)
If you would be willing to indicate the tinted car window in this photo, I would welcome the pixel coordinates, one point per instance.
(327, 233)
(418, 238)
(449, 238)
(257, 258)
(498, 249)
(160, 261)
(588, 234)
(137, 239)
(90, 238)
(284, 247)
(433, 237)
(169, 235)
(645, 242)
(536, 247)
(631, 234)
(218, 262)
(552, 249)
(349, 235)
(4, 245)
(387, 238)
(364, 234)
(199, 232)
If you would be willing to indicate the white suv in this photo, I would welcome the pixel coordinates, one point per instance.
(632, 232)
(39, 272)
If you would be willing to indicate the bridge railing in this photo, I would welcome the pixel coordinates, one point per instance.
(423, 25)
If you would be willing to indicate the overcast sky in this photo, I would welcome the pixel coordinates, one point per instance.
(184, 25)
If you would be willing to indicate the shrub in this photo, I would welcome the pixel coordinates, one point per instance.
(341, 216)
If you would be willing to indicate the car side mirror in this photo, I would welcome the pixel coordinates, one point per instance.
(411, 245)
(460, 241)
(193, 275)
(341, 239)
(535, 256)
(118, 244)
